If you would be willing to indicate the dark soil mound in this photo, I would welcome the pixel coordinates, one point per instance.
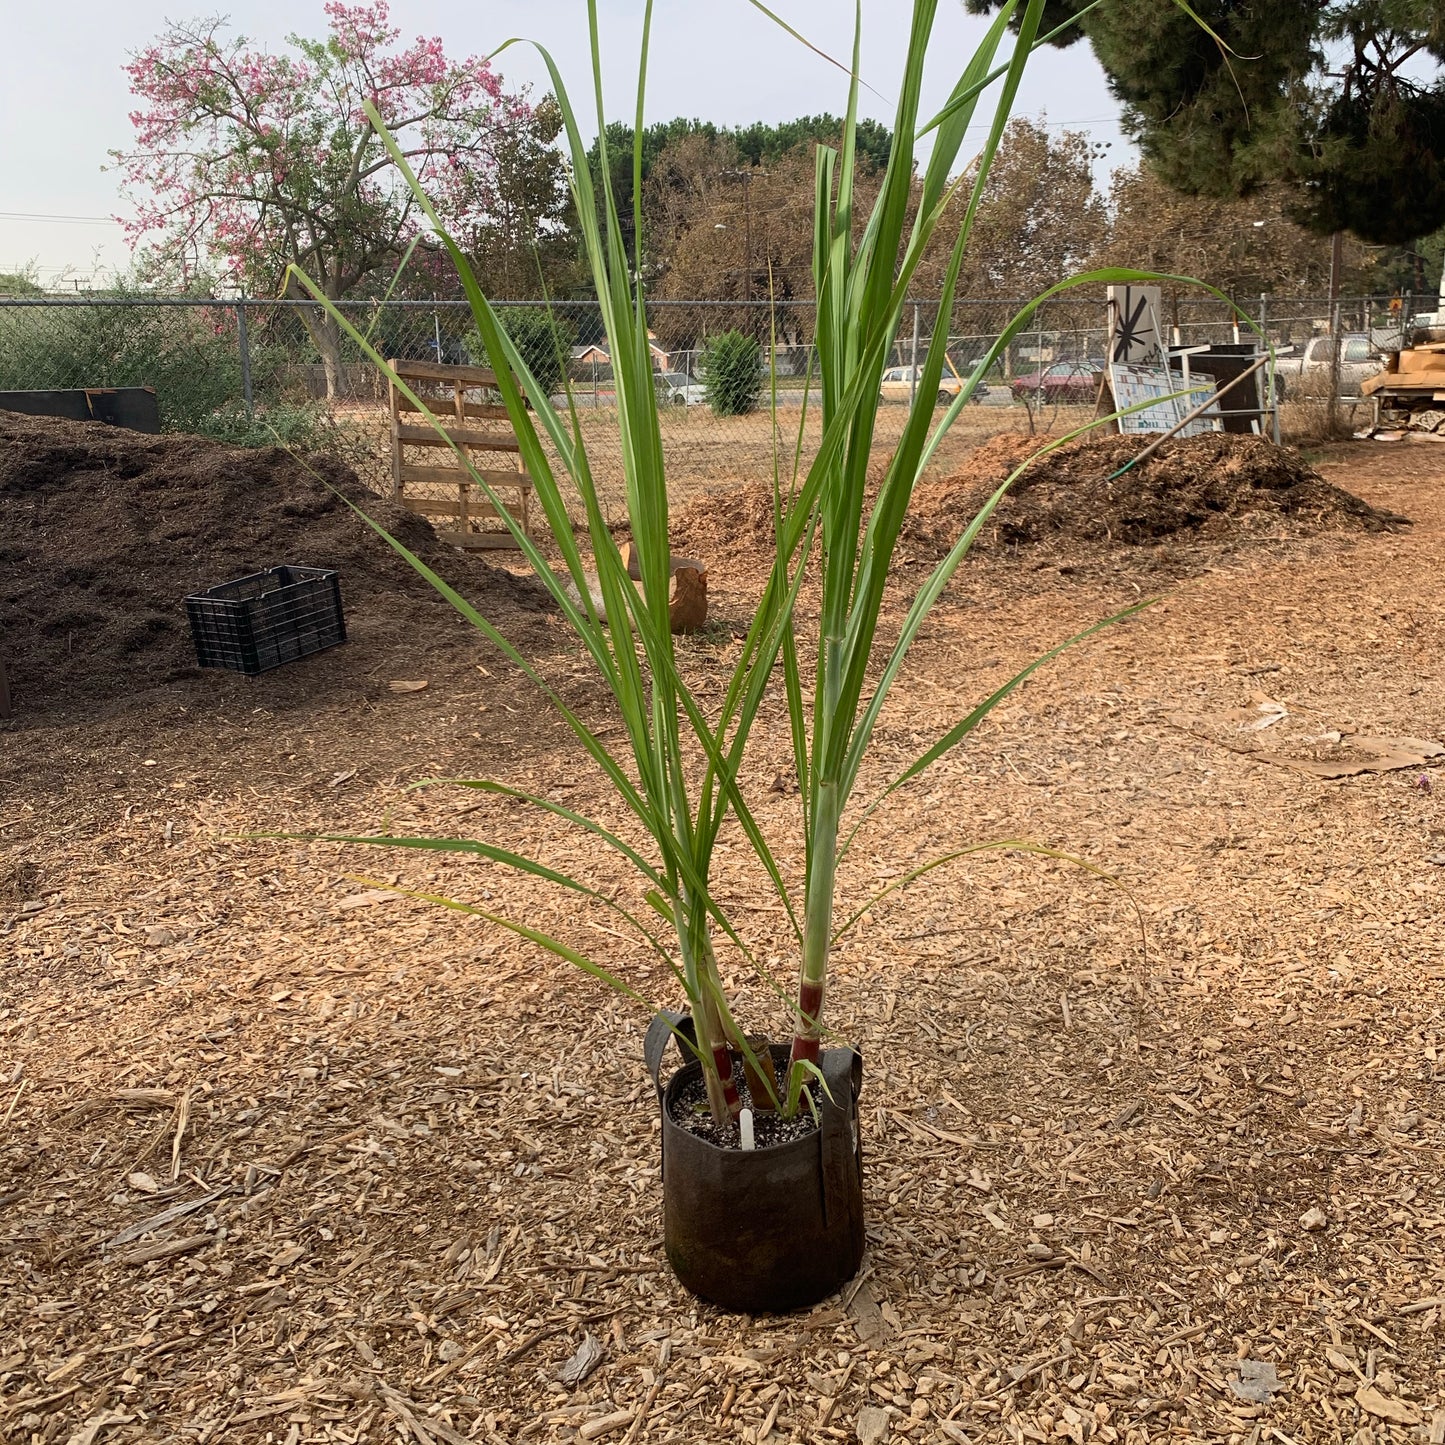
(1213, 487)
(104, 531)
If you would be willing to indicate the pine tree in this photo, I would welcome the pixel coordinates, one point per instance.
(1342, 101)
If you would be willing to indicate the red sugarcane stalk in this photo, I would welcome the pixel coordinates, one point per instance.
(723, 1058)
(807, 1040)
(725, 1109)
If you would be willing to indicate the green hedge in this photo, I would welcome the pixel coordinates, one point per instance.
(732, 373)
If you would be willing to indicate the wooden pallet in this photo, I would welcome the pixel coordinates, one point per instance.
(441, 488)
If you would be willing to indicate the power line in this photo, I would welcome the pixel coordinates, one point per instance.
(44, 216)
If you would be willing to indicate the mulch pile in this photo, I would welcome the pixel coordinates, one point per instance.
(1211, 488)
(104, 531)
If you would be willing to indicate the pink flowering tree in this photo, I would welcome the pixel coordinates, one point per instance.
(248, 161)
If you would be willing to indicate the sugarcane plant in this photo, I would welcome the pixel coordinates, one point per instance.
(680, 775)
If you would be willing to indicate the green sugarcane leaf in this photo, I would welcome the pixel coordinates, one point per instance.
(930, 593)
(1011, 845)
(475, 848)
(801, 1071)
(960, 99)
(886, 520)
(604, 759)
(664, 906)
(961, 729)
(488, 785)
(535, 935)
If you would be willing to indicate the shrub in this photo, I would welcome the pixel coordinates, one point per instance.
(302, 426)
(187, 353)
(732, 373)
(543, 338)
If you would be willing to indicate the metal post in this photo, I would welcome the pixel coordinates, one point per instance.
(1337, 344)
(1337, 243)
(243, 341)
(913, 368)
(437, 334)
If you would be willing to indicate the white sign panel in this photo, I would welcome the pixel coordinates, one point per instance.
(1135, 338)
(1135, 384)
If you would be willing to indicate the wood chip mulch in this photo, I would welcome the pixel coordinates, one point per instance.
(286, 1156)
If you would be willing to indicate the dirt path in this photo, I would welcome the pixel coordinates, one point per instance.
(1105, 1162)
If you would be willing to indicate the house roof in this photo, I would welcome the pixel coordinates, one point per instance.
(603, 348)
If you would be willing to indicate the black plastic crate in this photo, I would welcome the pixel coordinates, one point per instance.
(269, 618)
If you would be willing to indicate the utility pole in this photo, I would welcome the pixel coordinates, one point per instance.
(746, 177)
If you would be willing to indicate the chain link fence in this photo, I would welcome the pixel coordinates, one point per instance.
(258, 372)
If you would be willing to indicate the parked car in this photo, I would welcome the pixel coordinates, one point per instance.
(898, 385)
(1307, 372)
(677, 388)
(1064, 381)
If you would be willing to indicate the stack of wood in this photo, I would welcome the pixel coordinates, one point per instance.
(1410, 391)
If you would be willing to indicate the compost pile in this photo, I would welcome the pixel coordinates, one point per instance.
(104, 531)
(1214, 488)
(1209, 488)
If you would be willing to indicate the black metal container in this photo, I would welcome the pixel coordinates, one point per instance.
(269, 618)
(765, 1229)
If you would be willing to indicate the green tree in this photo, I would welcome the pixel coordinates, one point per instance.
(1039, 218)
(655, 139)
(760, 143)
(543, 338)
(1416, 267)
(523, 238)
(1243, 247)
(20, 283)
(1343, 101)
(758, 146)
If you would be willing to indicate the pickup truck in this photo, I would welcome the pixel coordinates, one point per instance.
(1307, 372)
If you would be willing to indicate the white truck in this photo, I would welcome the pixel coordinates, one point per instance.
(1307, 372)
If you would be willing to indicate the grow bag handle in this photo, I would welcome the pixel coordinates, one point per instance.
(659, 1031)
(843, 1072)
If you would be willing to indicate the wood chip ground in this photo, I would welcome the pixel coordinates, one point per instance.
(286, 1157)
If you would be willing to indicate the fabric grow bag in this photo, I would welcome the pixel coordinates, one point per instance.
(766, 1229)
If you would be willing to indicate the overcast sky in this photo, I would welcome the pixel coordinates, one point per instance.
(64, 100)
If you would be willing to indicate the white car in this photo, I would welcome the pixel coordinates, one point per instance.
(898, 385)
(679, 389)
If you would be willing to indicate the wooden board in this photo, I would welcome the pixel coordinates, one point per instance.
(482, 441)
(481, 541)
(455, 476)
(477, 410)
(441, 507)
(1415, 382)
(435, 371)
